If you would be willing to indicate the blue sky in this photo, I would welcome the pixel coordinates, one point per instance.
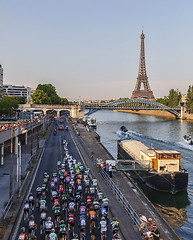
(90, 48)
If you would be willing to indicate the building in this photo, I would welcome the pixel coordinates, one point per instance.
(1, 81)
(142, 87)
(18, 91)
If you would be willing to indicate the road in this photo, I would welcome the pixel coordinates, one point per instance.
(52, 153)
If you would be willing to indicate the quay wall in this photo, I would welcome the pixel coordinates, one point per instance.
(157, 113)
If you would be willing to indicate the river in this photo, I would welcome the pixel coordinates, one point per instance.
(160, 133)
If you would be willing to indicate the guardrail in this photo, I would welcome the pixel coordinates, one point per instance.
(7, 207)
(125, 203)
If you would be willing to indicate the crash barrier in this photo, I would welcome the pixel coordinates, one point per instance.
(125, 203)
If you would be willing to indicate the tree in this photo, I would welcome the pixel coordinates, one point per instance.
(50, 90)
(172, 100)
(189, 101)
(40, 97)
(8, 105)
(64, 101)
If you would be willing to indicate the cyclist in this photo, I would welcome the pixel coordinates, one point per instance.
(92, 218)
(38, 194)
(22, 235)
(61, 189)
(103, 212)
(88, 201)
(82, 210)
(103, 227)
(26, 209)
(57, 214)
(71, 206)
(105, 203)
(31, 201)
(48, 226)
(62, 230)
(96, 206)
(43, 204)
(64, 200)
(116, 237)
(100, 196)
(115, 226)
(53, 235)
(82, 225)
(78, 199)
(75, 237)
(43, 215)
(92, 191)
(71, 221)
(32, 225)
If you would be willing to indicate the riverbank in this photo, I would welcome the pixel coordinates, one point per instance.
(156, 113)
(132, 193)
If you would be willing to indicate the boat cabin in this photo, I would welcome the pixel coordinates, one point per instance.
(162, 160)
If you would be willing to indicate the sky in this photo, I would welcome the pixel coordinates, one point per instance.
(90, 49)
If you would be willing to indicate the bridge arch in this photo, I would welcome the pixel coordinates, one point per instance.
(132, 104)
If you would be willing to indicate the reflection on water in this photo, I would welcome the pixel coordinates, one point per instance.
(176, 217)
(159, 133)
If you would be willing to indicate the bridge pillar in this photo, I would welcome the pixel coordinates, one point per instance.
(26, 137)
(16, 145)
(77, 111)
(58, 113)
(2, 153)
(184, 112)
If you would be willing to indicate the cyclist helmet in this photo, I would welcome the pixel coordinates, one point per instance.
(53, 230)
(82, 204)
(114, 218)
(62, 221)
(49, 218)
(27, 200)
(75, 235)
(32, 217)
(23, 229)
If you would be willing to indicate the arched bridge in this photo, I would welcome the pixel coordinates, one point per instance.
(132, 104)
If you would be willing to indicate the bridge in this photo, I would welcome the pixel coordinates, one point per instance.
(133, 104)
(76, 111)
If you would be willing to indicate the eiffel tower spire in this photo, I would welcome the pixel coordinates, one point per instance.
(142, 76)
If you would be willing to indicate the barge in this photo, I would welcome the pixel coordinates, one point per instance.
(158, 169)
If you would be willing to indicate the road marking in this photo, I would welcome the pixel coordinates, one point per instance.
(29, 190)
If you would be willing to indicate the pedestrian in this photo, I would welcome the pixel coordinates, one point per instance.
(107, 168)
(155, 233)
(143, 225)
(110, 170)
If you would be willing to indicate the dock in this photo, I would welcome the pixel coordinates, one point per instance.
(91, 148)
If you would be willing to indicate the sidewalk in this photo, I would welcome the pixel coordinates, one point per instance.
(134, 195)
(5, 172)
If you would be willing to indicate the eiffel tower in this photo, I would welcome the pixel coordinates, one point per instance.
(142, 77)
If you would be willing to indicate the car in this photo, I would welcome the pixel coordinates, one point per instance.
(61, 127)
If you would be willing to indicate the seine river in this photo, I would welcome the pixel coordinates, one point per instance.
(158, 133)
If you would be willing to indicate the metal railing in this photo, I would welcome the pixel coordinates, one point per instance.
(125, 203)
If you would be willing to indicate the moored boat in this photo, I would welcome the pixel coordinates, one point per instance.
(158, 169)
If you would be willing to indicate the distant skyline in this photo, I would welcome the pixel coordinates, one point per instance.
(90, 49)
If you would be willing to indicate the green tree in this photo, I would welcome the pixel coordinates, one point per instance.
(64, 101)
(174, 98)
(50, 90)
(163, 100)
(21, 100)
(189, 101)
(40, 97)
(8, 105)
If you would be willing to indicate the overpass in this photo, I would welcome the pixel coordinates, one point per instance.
(133, 104)
(76, 111)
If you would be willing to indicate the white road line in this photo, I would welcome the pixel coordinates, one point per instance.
(32, 182)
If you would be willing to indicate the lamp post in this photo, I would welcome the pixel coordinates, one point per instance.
(19, 166)
(11, 165)
(31, 137)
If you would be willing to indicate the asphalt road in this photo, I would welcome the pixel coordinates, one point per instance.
(52, 153)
